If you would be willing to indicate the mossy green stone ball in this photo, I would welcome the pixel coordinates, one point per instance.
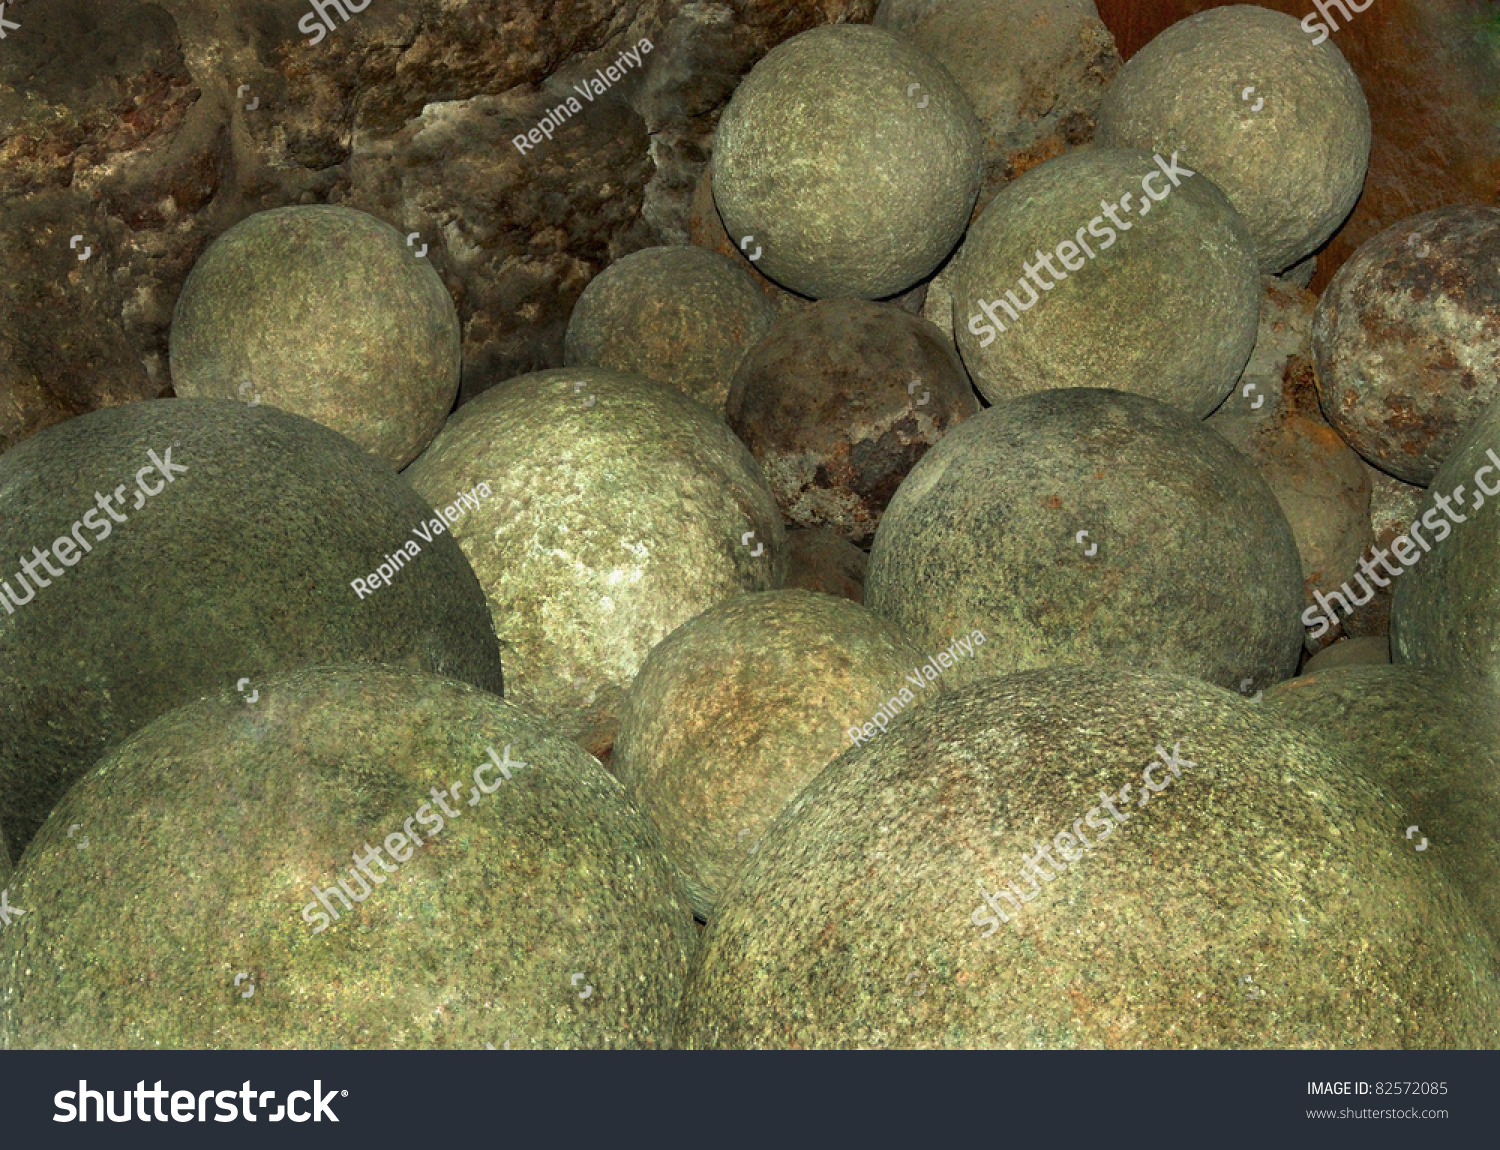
(1169, 309)
(326, 312)
(212, 830)
(850, 159)
(1262, 897)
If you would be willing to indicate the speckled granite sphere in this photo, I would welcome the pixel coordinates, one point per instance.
(847, 184)
(323, 311)
(838, 401)
(1434, 743)
(1216, 908)
(681, 315)
(739, 708)
(1291, 154)
(350, 843)
(1407, 346)
(621, 509)
(241, 566)
(1088, 527)
(1168, 308)
(1365, 651)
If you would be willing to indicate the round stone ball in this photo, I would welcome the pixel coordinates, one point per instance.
(739, 708)
(194, 543)
(1168, 308)
(326, 312)
(1433, 741)
(1407, 347)
(839, 401)
(851, 160)
(820, 559)
(1092, 527)
(366, 858)
(1162, 857)
(682, 315)
(621, 508)
(1250, 100)
(1363, 651)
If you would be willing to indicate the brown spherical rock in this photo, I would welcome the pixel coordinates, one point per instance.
(621, 509)
(1407, 346)
(1277, 121)
(838, 401)
(1088, 526)
(739, 708)
(1220, 912)
(226, 840)
(1367, 651)
(323, 311)
(820, 559)
(683, 315)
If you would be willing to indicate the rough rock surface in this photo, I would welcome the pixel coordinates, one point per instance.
(820, 559)
(241, 567)
(1362, 652)
(1088, 526)
(858, 922)
(620, 509)
(211, 832)
(838, 401)
(738, 709)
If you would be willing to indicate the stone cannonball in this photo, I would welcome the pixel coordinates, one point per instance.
(232, 560)
(326, 312)
(838, 401)
(1276, 120)
(681, 315)
(620, 509)
(1168, 308)
(1407, 346)
(1164, 857)
(739, 708)
(1087, 526)
(395, 860)
(851, 158)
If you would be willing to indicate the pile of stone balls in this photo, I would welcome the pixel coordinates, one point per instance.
(913, 597)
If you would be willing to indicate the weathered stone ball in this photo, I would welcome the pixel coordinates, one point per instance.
(1445, 609)
(1407, 347)
(706, 230)
(738, 709)
(1247, 98)
(1168, 308)
(838, 401)
(232, 558)
(851, 159)
(1434, 743)
(621, 509)
(1161, 853)
(682, 315)
(1363, 651)
(326, 312)
(820, 559)
(395, 860)
(1087, 526)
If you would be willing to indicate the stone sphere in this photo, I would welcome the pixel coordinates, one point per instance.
(326, 312)
(848, 184)
(1407, 347)
(681, 315)
(739, 708)
(620, 509)
(820, 559)
(1433, 742)
(1086, 526)
(303, 841)
(1216, 908)
(1170, 310)
(1358, 652)
(1290, 154)
(838, 401)
(243, 565)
